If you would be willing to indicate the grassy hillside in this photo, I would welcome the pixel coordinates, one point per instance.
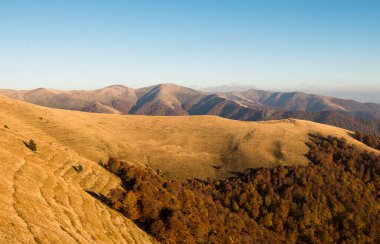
(183, 147)
(43, 197)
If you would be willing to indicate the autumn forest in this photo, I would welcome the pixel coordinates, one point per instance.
(334, 199)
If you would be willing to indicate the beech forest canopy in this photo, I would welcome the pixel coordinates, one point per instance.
(334, 199)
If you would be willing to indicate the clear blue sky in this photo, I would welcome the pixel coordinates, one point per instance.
(79, 44)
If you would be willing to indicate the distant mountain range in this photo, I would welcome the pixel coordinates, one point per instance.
(171, 99)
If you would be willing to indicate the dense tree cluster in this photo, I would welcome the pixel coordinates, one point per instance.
(370, 140)
(177, 212)
(334, 199)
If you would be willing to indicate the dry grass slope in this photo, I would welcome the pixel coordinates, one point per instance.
(43, 198)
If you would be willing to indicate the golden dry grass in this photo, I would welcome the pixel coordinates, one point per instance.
(43, 198)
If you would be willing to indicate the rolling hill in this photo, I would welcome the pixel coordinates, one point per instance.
(44, 198)
(170, 99)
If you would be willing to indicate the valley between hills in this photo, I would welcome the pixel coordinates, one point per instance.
(45, 199)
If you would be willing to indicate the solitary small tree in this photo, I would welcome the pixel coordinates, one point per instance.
(31, 145)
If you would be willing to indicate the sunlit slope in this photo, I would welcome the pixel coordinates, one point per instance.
(43, 199)
(189, 146)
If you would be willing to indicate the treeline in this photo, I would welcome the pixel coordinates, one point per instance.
(334, 199)
(370, 140)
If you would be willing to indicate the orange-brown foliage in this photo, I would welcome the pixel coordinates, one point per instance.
(334, 199)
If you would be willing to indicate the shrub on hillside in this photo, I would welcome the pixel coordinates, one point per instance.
(31, 145)
(78, 168)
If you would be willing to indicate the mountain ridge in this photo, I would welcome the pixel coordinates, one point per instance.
(170, 99)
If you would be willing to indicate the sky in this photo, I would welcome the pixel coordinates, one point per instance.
(309, 45)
